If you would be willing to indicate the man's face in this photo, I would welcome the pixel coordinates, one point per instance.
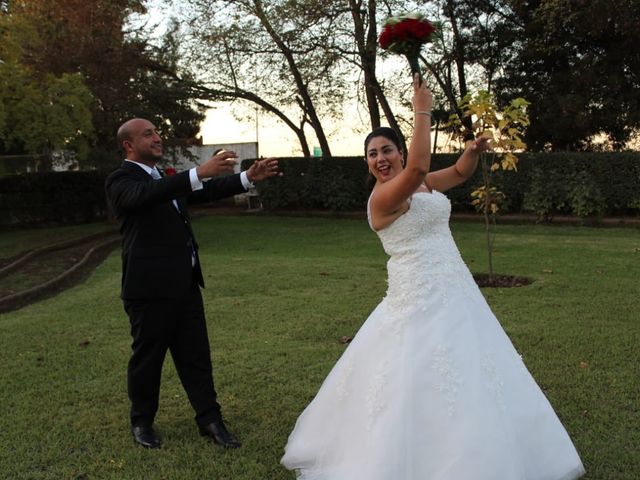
(145, 145)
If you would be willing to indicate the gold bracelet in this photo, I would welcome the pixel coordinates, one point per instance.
(424, 113)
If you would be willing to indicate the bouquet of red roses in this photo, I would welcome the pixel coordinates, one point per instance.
(405, 34)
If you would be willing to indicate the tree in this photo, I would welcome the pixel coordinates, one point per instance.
(265, 52)
(38, 117)
(166, 94)
(361, 30)
(317, 50)
(578, 63)
(39, 113)
(505, 129)
(449, 59)
(471, 46)
(127, 75)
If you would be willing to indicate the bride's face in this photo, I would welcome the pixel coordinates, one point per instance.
(383, 158)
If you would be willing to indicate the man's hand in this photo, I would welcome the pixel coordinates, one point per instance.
(262, 169)
(223, 162)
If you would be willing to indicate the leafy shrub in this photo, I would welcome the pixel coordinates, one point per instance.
(44, 198)
(585, 196)
(546, 194)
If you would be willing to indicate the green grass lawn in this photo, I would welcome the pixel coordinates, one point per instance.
(281, 292)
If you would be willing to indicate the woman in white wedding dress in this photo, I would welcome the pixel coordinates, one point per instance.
(431, 387)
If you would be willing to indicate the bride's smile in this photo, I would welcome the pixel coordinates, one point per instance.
(384, 159)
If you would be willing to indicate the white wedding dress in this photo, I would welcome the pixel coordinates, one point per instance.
(431, 387)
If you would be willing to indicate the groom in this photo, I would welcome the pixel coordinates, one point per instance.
(162, 276)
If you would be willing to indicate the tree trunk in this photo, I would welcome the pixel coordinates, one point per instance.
(486, 177)
(367, 50)
(367, 47)
(301, 87)
(459, 59)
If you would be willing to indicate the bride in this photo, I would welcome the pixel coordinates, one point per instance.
(431, 387)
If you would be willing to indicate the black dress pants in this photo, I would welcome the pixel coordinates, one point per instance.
(177, 325)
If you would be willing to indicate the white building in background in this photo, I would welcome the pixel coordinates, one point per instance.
(202, 153)
(198, 154)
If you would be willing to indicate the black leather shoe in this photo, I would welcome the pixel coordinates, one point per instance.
(220, 435)
(146, 437)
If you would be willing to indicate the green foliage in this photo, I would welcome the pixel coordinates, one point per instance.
(576, 62)
(585, 196)
(126, 74)
(3, 110)
(579, 184)
(582, 184)
(39, 116)
(547, 194)
(70, 102)
(578, 194)
(52, 198)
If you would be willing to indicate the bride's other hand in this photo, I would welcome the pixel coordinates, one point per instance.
(446, 178)
(480, 145)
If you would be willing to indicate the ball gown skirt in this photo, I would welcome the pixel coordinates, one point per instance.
(431, 387)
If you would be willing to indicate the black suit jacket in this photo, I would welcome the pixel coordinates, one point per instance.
(158, 243)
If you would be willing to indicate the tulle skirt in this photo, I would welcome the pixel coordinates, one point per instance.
(435, 391)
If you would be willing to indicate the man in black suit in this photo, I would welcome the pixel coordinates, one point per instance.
(161, 274)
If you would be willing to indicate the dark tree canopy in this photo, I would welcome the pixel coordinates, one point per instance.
(126, 74)
(579, 64)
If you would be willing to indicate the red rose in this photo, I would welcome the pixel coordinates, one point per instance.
(170, 171)
(400, 31)
(405, 34)
(386, 37)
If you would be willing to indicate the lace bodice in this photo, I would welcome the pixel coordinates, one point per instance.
(422, 252)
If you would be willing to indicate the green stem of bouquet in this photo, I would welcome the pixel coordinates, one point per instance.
(414, 64)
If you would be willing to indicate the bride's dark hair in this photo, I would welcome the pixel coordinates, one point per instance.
(385, 132)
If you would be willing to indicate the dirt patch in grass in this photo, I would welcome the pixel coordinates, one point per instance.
(500, 281)
(50, 272)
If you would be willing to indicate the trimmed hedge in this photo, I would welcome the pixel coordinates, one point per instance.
(335, 184)
(52, 198)
(548, 184)
(580, 184)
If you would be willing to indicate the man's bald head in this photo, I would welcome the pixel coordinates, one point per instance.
(126, 130)
(140, 141)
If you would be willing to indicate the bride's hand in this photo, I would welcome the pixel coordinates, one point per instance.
(480, 145)
(422, 99)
